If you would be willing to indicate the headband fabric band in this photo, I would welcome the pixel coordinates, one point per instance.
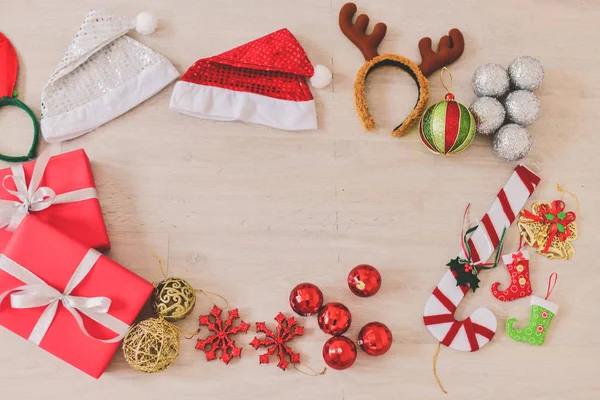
(32, 153)
(406, 65)
(450, 48)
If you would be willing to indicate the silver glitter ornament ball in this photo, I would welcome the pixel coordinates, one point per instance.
(522, 107)
(489, 115)
(490, 80)
(526, 73)
(512, 142)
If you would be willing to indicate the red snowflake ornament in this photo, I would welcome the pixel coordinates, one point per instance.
(221, 340)
(287, 328)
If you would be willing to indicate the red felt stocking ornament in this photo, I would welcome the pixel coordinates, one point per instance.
(520, 284)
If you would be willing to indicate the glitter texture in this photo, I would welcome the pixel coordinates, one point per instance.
(512, 142)
(526, 73)
(489, 115)
(274, 65)
(276, 342)
(99, 60)
(522, 107)
(490, 80)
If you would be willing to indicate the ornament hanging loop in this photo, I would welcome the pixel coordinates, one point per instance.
(551, 283)
(449, 95)
(160, 265)
(183, 332)
(563, 191)
(209, 294)
(435, 358)
(312, 371)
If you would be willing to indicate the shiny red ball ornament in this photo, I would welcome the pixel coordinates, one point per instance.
(334, 318)
(364, 280)
(375, 338)
(306, 299)
(339, 352)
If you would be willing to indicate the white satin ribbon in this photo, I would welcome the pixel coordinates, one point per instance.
(37, 293)
(34, 198)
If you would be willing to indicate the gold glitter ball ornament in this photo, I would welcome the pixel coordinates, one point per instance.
(151, 345)
(173, 299)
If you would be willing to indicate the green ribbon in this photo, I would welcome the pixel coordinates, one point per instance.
(469, 259)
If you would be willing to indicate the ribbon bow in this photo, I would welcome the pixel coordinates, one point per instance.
(517, 256)
(34, 198)
(37, 293)
(465, 270)
(470, 265)
(557, 219)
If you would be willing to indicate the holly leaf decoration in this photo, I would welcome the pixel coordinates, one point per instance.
(561, 228)
(562, 215)
(463, 277)
(549, 217)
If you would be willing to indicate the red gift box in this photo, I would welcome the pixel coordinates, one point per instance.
(54, 258)
(64, 173)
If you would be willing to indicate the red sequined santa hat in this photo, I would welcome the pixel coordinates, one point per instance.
(263, 82)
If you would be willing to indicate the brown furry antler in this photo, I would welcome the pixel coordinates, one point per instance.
(356, 32)
(449, 50)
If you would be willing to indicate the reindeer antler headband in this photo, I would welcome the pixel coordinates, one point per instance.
(8, 95)
(450, 49)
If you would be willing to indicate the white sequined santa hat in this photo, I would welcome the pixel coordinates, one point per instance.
(262, 82)
(103, 75)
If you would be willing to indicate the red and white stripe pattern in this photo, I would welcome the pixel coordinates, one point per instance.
(480, 327)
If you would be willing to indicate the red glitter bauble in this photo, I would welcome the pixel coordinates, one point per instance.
(375, 338)
(334, 318)
(306, 299)
(364, 280)
(339, 352)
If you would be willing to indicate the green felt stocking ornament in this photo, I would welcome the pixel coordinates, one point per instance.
(542, 313)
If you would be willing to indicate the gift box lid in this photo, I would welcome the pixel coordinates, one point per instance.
(53, 257)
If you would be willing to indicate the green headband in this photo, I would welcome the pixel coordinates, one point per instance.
(32, 153)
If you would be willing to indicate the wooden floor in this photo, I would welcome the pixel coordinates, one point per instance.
(249, 212)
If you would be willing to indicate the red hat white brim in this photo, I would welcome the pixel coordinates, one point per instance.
(99, 111)
(222, 104)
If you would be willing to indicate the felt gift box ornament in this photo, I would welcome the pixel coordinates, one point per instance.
(9, 65)
(450, 49)
(542, 313)
(104, 74)
(261, 82)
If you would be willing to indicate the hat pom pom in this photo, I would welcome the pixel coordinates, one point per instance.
(321, 78)
(145, 23)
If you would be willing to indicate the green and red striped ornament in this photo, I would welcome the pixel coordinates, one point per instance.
(447, 127)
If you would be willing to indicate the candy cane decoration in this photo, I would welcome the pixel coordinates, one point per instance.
(480, 327)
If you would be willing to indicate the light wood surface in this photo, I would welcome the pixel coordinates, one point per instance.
(249, 212)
